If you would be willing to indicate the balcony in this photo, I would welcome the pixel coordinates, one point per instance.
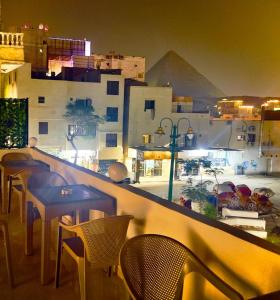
(248, 264)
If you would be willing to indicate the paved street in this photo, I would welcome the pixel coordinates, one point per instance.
(256, 181)
(253, 181)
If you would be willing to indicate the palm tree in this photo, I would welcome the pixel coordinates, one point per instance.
(83, 121)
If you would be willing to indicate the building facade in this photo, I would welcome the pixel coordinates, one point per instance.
(47, 106)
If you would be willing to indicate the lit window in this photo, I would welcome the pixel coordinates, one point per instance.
(111, 140)
(241, 137)
(112, 88)
(43, 127)
(147, 138)
(79, 130)
(112, 114)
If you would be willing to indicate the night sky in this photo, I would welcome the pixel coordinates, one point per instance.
(234, 43)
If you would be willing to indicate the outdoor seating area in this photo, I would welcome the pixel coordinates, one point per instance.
(70, 233)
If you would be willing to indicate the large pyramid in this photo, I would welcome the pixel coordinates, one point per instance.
(185, 80)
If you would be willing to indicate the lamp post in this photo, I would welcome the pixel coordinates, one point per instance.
(174, 135)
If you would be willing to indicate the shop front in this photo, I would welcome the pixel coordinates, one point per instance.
(148, 164)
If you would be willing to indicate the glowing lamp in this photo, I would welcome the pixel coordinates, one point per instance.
(117, 172)
(160, 131)
(190, 133)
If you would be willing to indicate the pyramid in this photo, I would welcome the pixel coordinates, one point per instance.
(185, 80)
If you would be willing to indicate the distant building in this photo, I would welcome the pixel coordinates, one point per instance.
(131, 66)
(245, 107)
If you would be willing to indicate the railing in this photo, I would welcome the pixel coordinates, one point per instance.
(10, 39)
(247, 263)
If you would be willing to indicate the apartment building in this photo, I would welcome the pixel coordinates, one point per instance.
(47, 105)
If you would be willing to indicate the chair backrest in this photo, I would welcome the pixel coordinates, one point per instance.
(25, 174)
(45, 179)
(16, 156)
(103, 239)
(154, 266)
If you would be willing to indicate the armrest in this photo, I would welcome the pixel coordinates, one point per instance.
(198, 266)
(71, 228)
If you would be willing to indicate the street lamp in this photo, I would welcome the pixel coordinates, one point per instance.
(174, 135)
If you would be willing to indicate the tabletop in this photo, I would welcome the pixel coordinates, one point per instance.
(66, 194)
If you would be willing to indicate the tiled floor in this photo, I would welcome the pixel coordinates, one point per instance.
(27, 272)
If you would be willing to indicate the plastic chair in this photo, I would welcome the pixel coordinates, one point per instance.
(15, 156)
(154, 267)
(20, 188)
(98, 242)
(45, 179)
(4, 228)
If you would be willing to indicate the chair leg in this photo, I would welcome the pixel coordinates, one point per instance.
(110, 271)
(82, 277)
(58, 257)
(22, 207)
(10, 193)
(8, 254)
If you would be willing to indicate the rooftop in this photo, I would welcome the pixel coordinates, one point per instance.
(248, 264)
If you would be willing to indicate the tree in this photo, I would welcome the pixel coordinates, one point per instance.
(83, 121)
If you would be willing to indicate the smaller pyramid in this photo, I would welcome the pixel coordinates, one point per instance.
(185, 80)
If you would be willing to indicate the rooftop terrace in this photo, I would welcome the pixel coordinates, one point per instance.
(248, 264)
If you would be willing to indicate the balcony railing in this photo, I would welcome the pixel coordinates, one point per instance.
(10, 39)
(247, 263)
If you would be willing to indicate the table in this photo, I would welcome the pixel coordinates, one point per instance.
(52, 204)
(11, 167)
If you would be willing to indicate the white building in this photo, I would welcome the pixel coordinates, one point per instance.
(47, 101)
(232, 145)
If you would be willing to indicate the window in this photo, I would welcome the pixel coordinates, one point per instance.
(179, 108)
(147, 138)
(80, 103)
(112, 114)
(152, 168)
(111, 140)
(41, 99)
(43, 127)
(158, 168)
(149, 104)
(112, 88)
(241, 137)
(78, 130)
(251, 138)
